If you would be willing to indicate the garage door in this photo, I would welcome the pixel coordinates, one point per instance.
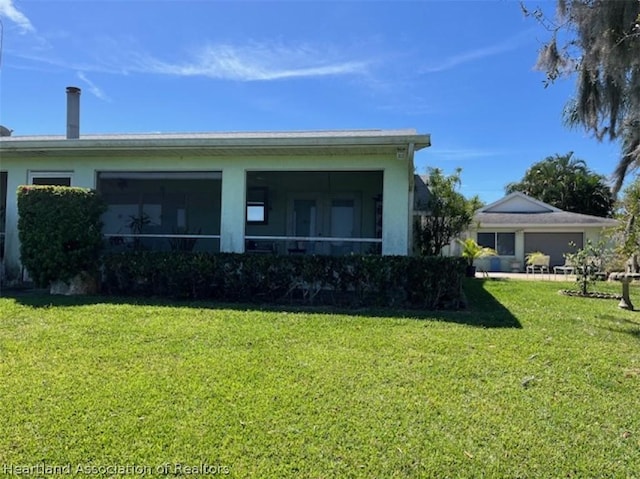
(553, 244)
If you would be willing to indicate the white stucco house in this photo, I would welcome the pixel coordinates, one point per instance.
(318, 192)
(517, 224)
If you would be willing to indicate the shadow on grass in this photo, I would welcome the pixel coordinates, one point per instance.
(618, 324)
(483, 310)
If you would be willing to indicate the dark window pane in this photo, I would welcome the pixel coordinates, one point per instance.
(506, 244)
(488, 240)
(52, 181)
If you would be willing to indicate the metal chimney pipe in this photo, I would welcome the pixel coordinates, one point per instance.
(73, 112)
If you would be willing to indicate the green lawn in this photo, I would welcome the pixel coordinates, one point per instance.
(526, 383)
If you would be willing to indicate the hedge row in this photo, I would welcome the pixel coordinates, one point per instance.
(388, 281)
(60, 231)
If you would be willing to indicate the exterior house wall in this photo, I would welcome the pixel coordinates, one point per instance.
(508, 263)
(396, 211)
(594, 235)
(234, 168)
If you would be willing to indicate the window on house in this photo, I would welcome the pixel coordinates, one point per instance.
(503, 243)
(257, 207)
(51, 178)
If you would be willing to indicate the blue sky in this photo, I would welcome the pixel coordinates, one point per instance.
(459, 70)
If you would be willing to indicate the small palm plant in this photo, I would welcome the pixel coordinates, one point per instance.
(136, 224)
(535, 257)
(471, 251)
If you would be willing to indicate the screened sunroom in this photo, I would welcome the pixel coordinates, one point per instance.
(161, 210)
(314, 212)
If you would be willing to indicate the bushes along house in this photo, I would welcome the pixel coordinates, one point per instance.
(60, 232)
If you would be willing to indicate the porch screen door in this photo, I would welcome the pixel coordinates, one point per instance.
(342, 225)
(305, 223)
(325, 215)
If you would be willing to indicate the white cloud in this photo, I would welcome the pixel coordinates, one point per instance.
(8, 10)
(479, 53)
(248, 62)
(254, 62)
(251, 61)
(93, 88)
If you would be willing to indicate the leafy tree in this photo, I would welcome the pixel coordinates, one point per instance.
(565, 182)
(627, 235)
(598, 41)
(587, 261)
(447, 212)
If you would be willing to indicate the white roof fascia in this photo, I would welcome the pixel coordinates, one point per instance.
(391, 138)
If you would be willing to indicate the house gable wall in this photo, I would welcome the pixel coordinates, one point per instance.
(518, 204)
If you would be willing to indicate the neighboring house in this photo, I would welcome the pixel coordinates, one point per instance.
(323, 192)
(421, 195)
(518, 224)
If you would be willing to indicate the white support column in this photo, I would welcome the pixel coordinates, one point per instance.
(519, 249)
(232, 209)
(13, 267)
(395, 211)
(410, 225)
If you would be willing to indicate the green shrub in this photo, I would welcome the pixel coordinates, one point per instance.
(60, 231)
(387, 281)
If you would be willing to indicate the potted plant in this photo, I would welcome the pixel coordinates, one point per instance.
(471, 251)
(535, 257)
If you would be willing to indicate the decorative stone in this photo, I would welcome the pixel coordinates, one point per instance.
(625, 279)
(592, 294)
(80, 284)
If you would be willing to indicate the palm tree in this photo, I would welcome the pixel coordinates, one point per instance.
(566, 182)
(471, 251)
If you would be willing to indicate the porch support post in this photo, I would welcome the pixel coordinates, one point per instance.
(232, 209)
(395, 211)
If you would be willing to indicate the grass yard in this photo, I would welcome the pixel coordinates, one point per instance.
(526, 383)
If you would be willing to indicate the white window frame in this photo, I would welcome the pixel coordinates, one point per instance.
(495, 240)
(50, 174)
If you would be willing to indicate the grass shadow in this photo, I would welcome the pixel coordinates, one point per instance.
(483, 310)
(618, 324)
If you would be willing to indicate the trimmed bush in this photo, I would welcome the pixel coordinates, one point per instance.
(387, 281)
(60, 231)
